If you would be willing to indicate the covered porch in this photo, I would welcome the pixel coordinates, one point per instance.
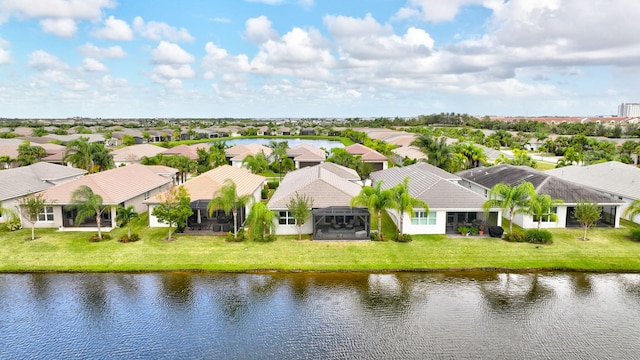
(469, 219)
(219, 222)
(341, 223)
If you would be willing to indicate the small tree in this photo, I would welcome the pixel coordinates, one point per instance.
(588, 214)
(300, 207)
(31, 206)
(540, 206)
(174, 208)
(124, 215)
(376, 200)
(88, 204)
(510, 198)
(404, 202)
(228, 200)
(260, 221)
(632, 210)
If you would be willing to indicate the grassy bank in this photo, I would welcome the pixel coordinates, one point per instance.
(606, 250)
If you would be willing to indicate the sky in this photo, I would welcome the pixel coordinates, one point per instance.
(317, 58)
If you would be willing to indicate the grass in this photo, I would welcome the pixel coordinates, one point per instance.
(606, 250)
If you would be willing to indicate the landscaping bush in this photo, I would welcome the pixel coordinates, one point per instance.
(13, 224)
(513, 237)
(374, 236)
(635, 235)
(273, 184)
(126, 239)
(535, 236)
(95, 238)
(403, 238)
(241, 236)
(264, 193)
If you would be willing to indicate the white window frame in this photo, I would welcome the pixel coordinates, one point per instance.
(46, 215)
(423, 218)
(285, 216)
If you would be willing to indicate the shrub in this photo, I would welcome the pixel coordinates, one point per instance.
(13, 224)
(535, 236)
(374, 236)
(95, 238)
(403, 238)
(126, 239)
(635, 235)
(241, 236)
(273, 185)
(264, 193)
(513, 237)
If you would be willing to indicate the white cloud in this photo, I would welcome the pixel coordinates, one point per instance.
(114, 29)
(112, 52)
(221, 20)
(42, 61)
(93, 65)
(170, 53)
(63, 27)
(434, 10)
(183, 71)
(72, 9)
(161, 31)
(5, 55)
(258, 30)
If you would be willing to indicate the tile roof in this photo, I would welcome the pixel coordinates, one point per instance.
(366, 153)
(569, 192)
(115, 185)
(323, 183)
(305, 152)
(203, 186)
(134, 153)
(412, 152)
(433, 185)
(613, 177)
(40, 176)
(183, 150)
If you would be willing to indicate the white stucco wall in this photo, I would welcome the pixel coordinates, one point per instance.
(307, 227)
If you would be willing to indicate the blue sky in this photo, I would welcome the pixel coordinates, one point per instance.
(317, 58)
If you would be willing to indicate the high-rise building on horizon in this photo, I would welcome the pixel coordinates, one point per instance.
(629, 110)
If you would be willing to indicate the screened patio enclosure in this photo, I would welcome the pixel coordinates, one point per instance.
(341, 223)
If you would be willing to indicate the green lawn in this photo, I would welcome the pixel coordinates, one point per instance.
(606, 250)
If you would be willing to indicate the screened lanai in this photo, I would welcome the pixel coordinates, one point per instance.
(341, 223)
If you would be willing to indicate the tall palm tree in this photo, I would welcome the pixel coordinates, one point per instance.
(512, 199)
(632, 210)
(376, 200)
(92, 157)
(404, 202)
(88, 204)
(228, 200)
(540, 205)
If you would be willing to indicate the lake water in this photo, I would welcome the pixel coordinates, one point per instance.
(320, 316)
(326, 144)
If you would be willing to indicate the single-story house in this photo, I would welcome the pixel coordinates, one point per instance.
(134, 153)
(201, 190)
(18, 182)
(181, 150)
(331, 188)
(621, 181)
(305, 155)
(127, 185)
(450, 205)
(377, 160)
(235, 155)
(482, 179)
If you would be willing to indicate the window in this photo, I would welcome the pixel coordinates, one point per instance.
(423, 218)
(286, 218)
(46, 214)
(146, 195)
(548, 217)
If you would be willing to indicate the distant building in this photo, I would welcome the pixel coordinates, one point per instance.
(629, 110)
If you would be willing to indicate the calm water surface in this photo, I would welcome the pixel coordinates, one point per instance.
(320, 316)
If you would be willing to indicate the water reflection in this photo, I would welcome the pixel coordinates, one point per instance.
(324, 315)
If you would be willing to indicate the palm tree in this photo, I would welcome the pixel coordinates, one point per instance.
(88, 204)
(256, 163)
(376, 200)
(228, 200)
(92, 157)
(260, 220)
(512, 199)
(632, 210)
(124, 215)
(404, 202)
(541, 205)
